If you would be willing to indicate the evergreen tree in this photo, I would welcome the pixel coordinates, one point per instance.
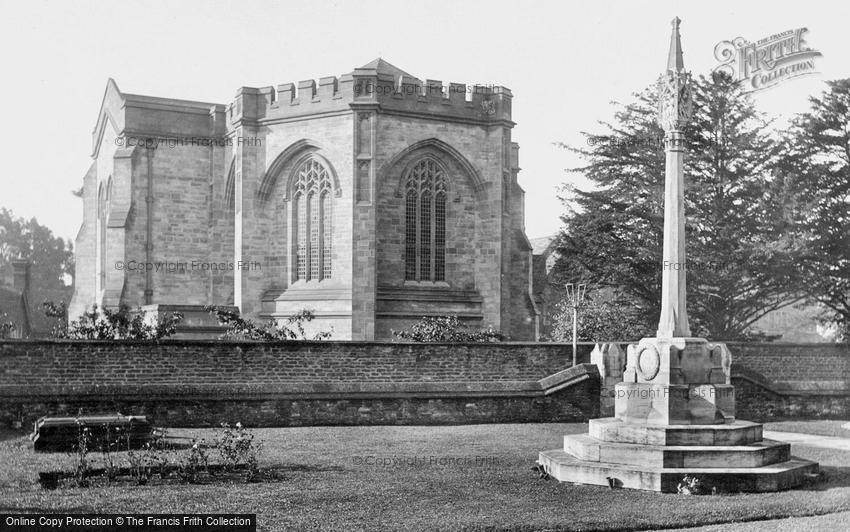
(739, 259)
(816, 173)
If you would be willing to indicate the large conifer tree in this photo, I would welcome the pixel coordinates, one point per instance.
(739, 256)
(816, 177)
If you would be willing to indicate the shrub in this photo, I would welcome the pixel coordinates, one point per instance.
(105, 324)
(446, 329)
(6, 326)
(59, 313)
(151, 458)
(191, 463)
(271, 331)
(690, 486)
(236, 447)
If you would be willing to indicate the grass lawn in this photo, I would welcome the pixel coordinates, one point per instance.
(332, 481)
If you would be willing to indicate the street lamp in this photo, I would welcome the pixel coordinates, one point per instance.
(575, 296)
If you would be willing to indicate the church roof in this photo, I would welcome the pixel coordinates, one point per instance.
(542, 244)
(384, 67)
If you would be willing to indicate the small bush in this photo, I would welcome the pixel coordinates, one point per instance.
(446, 329)
(236, 447)
(690, 486)
(83, 468)
(192, 462)
(271, 331)
(6, 326)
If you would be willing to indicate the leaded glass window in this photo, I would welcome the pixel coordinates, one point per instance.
(103, 203)
(313, 221)
(425, 222)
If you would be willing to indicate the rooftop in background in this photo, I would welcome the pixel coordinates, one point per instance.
(543, 244)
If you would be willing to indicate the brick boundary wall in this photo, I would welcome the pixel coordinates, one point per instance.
(788, 381)
(202, 383)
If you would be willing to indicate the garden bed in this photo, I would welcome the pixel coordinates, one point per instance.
(99, 477)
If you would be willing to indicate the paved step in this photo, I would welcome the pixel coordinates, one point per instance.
(757, 454)
(736, 433)
(783, 475)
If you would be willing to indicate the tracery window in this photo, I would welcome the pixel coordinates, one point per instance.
(312, 209)
(103, 202)
(425, 222)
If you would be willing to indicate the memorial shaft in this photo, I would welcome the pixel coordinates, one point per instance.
(674, 111)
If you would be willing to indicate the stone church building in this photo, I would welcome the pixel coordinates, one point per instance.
(372, 199)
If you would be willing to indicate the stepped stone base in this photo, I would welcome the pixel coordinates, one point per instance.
(774, 477)
(728, 457)
(735, 433)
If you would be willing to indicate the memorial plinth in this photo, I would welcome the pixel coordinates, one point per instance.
(674, 412)
(674, 417)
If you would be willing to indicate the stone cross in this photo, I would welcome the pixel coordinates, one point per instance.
(674, 111)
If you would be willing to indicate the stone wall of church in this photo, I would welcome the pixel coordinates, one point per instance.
(266, 223)
(473, 222)
(220, 228)
(85, 250)
(168, 239)
(188, 267)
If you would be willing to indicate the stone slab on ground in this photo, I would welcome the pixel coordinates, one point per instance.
(61, 434)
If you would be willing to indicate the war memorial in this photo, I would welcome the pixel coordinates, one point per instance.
(674, 412)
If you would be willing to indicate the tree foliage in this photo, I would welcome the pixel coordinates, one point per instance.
(51, 257)
(446, 329)
(816, 174)
(740, 257)
(603, 318)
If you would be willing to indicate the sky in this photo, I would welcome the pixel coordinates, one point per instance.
(565, 62)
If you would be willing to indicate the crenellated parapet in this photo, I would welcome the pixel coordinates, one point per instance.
(370, 87)
(408, 95)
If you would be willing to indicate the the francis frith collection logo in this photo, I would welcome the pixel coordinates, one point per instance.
(767, 62)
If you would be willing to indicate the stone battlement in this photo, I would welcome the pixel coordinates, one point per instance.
(368, 87)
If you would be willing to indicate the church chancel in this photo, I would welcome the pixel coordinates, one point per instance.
(371, 199)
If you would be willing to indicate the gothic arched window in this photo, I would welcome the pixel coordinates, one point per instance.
(103, 201)
(425, 222)
(312, 208)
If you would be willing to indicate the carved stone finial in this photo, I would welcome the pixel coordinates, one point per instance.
(675, 104)
(674, 92)
(675, 62)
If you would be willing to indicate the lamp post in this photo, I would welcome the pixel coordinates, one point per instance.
(575, 295)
